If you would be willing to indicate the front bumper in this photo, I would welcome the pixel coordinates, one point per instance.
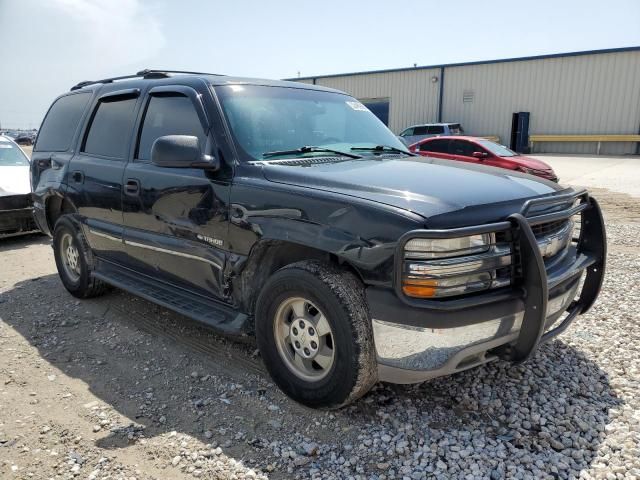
(419, 340)
(16, 216)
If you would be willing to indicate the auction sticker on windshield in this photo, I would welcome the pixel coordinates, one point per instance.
(357, 106)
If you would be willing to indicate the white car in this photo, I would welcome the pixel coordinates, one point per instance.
(16, 211)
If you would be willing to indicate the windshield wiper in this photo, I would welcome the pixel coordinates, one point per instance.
(383, 148)
(308, 149)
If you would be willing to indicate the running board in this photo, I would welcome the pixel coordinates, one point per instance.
(219, 316)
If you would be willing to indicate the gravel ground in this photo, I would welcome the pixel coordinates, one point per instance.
(118, 388)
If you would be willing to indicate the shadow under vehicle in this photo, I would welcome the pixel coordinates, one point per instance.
(122, 348)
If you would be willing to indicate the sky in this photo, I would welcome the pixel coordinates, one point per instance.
(46, 46)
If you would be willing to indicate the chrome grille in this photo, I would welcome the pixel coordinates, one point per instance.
(549, 228)
(556, 240)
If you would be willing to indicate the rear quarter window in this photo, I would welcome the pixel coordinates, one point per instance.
(61, 122)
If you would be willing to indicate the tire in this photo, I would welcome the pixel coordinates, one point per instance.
(325, 292)
(75, 269)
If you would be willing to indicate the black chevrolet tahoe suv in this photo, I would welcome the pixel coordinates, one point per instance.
(290, 212)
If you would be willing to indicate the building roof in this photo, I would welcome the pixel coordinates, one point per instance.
(481, 62)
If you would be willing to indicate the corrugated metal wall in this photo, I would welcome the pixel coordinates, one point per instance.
(590, 94)
(413, 97)
(581, 94)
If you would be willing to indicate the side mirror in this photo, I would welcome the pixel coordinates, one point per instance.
(479, 154)
(181, 151)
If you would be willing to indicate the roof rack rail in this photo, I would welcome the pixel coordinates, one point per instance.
(146, 73)
(104, 80)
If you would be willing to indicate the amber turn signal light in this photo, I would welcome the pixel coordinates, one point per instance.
(420, 288)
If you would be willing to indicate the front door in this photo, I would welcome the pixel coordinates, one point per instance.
(463, 151)
(175, 218)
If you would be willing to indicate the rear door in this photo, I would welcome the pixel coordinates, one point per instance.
(176, 218)
(54, 148)
(437, 148)
(95, 173)
(434, 130)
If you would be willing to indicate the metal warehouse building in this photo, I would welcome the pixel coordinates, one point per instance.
(594, 94)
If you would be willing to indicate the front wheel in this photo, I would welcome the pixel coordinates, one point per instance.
(314, 334)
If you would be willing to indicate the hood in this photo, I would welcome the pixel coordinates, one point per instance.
(14, 180)
(530, 162)
(426, 186)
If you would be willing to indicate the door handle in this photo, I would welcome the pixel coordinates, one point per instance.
(132, 187)
(78, 176)
(44, 163)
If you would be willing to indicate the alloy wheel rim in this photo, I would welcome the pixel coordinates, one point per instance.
(304, 339)
(70, 257)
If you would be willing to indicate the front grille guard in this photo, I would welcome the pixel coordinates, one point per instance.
(532, 283)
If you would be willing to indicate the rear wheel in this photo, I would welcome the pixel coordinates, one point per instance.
(74, 259)
(314, 334)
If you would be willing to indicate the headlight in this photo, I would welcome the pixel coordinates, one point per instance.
(449, 247)
(447, 267)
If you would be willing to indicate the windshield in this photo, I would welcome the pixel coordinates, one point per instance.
(11, 156)
(498, 150)
(274, 119)
(456, 129)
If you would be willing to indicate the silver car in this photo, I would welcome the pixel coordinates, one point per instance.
(416, 133)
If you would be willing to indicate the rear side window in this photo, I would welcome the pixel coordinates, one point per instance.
(435, 130)
(440, 146)
(110, 128)
(61, 122)
(168, 115)
(420, 131)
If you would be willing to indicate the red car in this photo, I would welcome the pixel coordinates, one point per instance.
(480, 150)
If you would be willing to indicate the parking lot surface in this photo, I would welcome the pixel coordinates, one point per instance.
(619, 174)
(115, 388)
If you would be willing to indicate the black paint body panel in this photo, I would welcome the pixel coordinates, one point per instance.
(198, 230)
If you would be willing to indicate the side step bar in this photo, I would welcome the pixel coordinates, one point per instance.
(215, 314)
